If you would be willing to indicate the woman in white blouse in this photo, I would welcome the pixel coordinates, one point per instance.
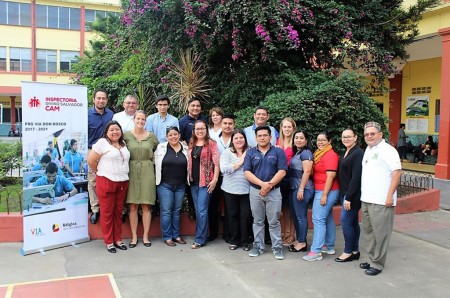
(109, 159)
(236, 191)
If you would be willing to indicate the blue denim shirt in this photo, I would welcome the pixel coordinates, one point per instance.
(158, 125)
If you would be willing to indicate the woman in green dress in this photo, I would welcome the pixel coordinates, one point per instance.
(142, 187)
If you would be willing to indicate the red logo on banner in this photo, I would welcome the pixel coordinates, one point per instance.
(34, 102)
(55, 228)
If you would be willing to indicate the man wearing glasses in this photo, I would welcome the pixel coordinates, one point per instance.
(158, 123)
(125, 118)
(381, 171)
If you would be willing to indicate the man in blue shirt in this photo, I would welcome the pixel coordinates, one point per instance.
(159, 122)
(261, 116)
(98, 117)
(64, 189)
(45, 160)
(188, 120)
(264, 167)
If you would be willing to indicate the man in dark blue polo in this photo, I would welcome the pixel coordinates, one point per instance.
(98, 117)
(265, 166)
(187, 121)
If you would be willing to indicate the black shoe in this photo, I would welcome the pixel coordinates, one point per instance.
(347, 259)
(246, 247)
(356, 256)
(133, 245)
(94, 217)
(111, 249)
(293, 249)
(364, 265)
(372, 271)
(121, 246)
(147, 244)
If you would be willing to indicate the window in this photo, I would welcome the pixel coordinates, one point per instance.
(2, 58)
(13, 13)
(58, 17)
(67, 59)
(46, 61)
(92, 15)
(20, 59)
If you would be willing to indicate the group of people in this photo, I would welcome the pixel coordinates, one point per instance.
(258, 171)
(427, 148)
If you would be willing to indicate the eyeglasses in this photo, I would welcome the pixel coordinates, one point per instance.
(347, 137)
(370, 134)
(200, 129)
(322, 140)
(130, 103)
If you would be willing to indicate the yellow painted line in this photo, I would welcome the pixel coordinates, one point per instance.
(9, 291)
(114, 285)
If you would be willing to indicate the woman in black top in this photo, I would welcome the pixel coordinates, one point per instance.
(349, 175)
(171, 165)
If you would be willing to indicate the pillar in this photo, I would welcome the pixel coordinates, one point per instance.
(395, 107)
(443, 161)
(13, 112)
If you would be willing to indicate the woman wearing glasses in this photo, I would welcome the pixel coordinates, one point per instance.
(109, 160)
(142, 190)
(349, 175)
(203, 176)
(171, 163)
(325, 197)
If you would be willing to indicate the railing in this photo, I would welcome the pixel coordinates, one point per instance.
(413, 182)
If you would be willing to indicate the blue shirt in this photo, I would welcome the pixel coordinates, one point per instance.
(265, 166)
(296, 169)
(73, 159)
(158, 125)
(97, 124)
(39, 167)
(187, 124)
(251, 137)
(62, 185)
(54, 153)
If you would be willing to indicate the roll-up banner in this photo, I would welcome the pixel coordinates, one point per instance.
(54, 124)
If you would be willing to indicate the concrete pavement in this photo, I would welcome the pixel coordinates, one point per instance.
(417, 266)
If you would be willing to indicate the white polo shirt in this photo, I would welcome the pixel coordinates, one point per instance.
(377, 166)
(125, 121)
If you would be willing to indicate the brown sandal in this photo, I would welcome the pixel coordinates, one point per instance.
(169, 242)
(179, 240)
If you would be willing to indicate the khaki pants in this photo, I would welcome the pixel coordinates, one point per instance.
(93, 200)
(377, 225)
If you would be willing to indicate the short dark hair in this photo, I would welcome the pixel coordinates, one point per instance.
(261, 108)
(162, 97)
(402, 125)
(228, 116)
(51, 168)
(194, 99)
(100, 90)
(45, 159)
(72, 142)
(264, 127)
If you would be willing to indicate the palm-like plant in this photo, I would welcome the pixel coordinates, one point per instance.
(189, 79)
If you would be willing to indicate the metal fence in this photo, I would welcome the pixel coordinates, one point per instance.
(413, 182)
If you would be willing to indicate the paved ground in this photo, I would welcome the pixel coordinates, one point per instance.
(418, 263)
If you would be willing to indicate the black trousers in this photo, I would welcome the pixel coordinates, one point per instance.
(214, 209)
(239, 217)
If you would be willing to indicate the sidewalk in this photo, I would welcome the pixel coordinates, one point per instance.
(418, 262)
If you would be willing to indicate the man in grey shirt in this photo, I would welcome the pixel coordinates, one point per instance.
(401, 143)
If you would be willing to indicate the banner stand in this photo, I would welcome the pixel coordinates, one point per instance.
(75, 243)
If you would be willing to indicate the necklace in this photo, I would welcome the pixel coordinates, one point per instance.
(196, 151)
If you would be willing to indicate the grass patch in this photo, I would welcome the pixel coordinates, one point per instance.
(9, 198)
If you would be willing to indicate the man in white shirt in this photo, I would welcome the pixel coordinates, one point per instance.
(381, 172)
(261, 116)
(125, 118)
(159, 122)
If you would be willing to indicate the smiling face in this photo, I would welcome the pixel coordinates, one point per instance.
(238, 141)
(100, 100)
(288, 128)
(114, 133)
(322, 141)
(348, 138)
(194, 109)
(139, 119)
(216, 118)
(200, 130)
(300, 140)
(261, 117)
(173, 137)
(227, 126)
(372, 136)
(130, 105)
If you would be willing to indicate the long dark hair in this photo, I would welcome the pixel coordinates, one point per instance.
(194, 138)
(235, 132)
(308, 141)
(105, 133)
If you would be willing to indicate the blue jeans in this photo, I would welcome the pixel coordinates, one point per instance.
(170, 202)
(268, 206)
(350, 228)
(299, 212)
(201, 197)
(324, 226)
